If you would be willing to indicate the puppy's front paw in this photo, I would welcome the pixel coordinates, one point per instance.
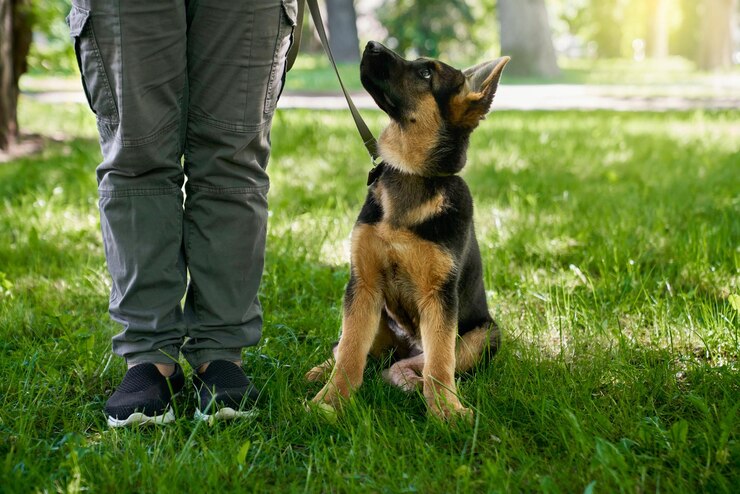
(324, 410)
(451, 411)
(463, 413)
(328, 396)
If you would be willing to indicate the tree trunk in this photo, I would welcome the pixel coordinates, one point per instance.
(8, 127)
(526, 38)
(15, 41)
(657, 42)
(716, 35)
(342, 25)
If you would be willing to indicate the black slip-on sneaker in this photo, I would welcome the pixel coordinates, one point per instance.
(224, 392)
(144, 396)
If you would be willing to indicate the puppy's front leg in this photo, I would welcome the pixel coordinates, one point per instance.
(363, 302)
(438, 326)
(360, 324)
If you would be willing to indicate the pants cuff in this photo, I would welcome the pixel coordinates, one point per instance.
(165, 355)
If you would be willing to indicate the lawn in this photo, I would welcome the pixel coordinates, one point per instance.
(611, 245)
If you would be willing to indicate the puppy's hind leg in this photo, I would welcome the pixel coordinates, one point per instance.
(477, 345)
(474, 347)
(406, 374)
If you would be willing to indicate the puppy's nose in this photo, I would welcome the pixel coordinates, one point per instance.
(374, 47)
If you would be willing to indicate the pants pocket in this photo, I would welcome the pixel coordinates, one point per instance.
(289, 12)
(94, 77)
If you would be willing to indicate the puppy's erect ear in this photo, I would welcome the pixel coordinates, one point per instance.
(482, 81)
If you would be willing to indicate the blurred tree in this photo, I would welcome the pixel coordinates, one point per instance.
(527, 38)
(700, 30)
(15, 41)
(657, 28)
(51, 51)
(684, 39)
(716, 34)
(485, 42)
(622, 28)
(342, 26)
(424, 26)
(607, 19)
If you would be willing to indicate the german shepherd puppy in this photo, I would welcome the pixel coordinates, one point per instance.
(416, 283)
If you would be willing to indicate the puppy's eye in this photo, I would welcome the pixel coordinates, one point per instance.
(425, 73)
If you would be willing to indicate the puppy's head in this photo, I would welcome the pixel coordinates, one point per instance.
(401, 86)
(429, 103)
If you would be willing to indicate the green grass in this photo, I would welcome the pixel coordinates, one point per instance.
(611, 244)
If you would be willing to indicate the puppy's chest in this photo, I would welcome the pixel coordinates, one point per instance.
(410, 263)
(405, 207)
(402, 251)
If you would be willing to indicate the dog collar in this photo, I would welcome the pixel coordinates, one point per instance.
(375, 173)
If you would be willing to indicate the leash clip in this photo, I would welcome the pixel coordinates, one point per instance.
(375, 171)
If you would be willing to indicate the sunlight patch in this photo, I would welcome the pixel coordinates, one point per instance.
(328, 233)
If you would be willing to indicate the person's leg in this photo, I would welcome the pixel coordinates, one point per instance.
(236, 62)
(132, 56)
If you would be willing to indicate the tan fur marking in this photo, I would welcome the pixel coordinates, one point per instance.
(427, 210)
(384, 198)
(438, 330)
(425, 263)
(415, 216)
(459, 104)
(406, 148)
(460, 108)
(368, 257)
(463, 108)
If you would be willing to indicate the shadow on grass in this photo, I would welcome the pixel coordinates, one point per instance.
(68, 166)
(50, 214)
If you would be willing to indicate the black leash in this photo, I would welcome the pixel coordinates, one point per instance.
(371, 144)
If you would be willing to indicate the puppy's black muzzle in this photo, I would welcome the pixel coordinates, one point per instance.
(373, 47)
(376, 63)
(378, 69)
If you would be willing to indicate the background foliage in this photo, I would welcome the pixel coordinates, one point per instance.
(52, 50)
(459, 28)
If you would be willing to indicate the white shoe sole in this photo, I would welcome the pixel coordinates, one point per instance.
(226, 413)
(138, 418)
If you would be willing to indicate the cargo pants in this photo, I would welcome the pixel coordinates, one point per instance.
(184, 93)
